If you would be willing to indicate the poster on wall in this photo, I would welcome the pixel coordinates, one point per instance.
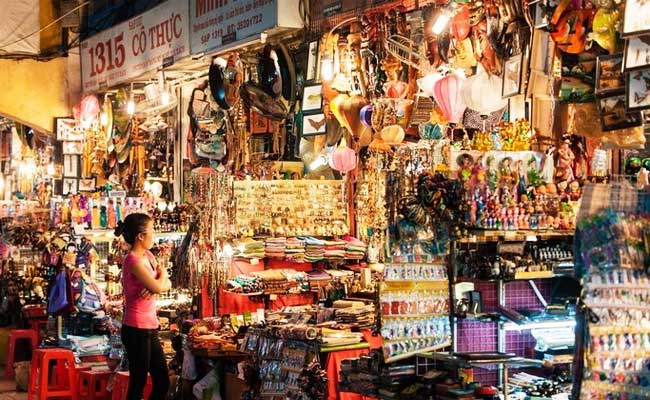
(217, 24)
(139, 45)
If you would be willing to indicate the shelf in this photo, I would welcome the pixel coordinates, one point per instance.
(488, 364)
(545, 324)
(478, 236)
(541, 275)
(108, 233)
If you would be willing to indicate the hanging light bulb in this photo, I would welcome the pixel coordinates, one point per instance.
(441, 22)
(103, 119)
(327, 68)
(318, 162)
(130, 106)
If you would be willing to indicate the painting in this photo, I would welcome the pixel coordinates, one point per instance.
(314, 124)
(609, 74)
(637, 90)
(636, 20)
(637, 53)
(511, 76)
(312, 98)
(613, 114)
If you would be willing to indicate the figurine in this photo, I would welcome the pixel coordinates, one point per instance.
(575, 192)
(111, 216)
(564, 170)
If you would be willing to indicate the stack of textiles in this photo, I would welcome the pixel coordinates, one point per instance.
(275, 247)
(355, 249)
(249, 248)
(314, 249)
(295, 249)
(334, 249)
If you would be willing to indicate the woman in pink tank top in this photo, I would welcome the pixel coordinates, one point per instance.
(142, 279)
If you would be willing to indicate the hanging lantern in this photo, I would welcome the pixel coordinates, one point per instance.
(366, 115)
(426, 83)
(392, 135)
(89, 108)
(446, 92)
(482, 93)
(460, 23)
(343, 159)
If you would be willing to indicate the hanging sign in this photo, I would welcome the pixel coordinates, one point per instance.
(215, 24)
(139, 45)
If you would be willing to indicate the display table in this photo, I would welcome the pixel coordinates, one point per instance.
(333, 366)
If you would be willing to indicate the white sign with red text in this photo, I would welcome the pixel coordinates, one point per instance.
(139, 45)
(218, 24)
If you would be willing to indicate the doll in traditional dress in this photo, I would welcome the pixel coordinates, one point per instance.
(564, 170)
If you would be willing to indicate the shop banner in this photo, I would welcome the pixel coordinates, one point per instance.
(154, 39)
(215, 24)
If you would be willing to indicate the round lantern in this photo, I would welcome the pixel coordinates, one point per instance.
(482, 93)
(392, 135)
(446, 92)
(366, 115)
(460, 23)
(89, 108)
(343, 159)
(426, 83)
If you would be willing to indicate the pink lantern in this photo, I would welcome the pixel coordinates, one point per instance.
(447, 93)
(343, 159)
(89, 108)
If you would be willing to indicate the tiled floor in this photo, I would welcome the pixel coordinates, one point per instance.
(8, 391)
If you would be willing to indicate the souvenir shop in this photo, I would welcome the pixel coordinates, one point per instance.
(354, 200)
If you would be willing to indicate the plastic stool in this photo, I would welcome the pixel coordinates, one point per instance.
(39, 375)
(122, 386)
(37, 325)
(93, 384)
(14, 336)
(60, 375)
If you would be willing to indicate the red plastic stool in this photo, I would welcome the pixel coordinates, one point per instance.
(122, 386)
(39, 326)
(60, 375)
(92, 385)
(14, 336)
(39, 375)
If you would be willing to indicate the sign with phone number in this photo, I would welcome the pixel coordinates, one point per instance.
(215, 24)
(139, 45)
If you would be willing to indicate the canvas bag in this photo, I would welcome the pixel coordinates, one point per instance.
(58, 298)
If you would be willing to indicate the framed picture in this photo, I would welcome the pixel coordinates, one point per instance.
(637, 53)
(475, 302)
(538, 13)
(312, 98)
(609, 74)
(314, 124)
(311, 73)
(71, 165)
(637, 90)
(67, 129)
(259, 124)
(87, 185)
(70, 186)
(73, 147)
(511, 76)
(636, 19)
(613, 114)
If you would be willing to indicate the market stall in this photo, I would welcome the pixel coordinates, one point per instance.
(383, 201)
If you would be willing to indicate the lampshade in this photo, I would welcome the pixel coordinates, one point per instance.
(343, 159)
(89, 108)
(446, 92)
(482, 93)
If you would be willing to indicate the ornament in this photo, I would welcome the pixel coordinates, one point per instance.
(343, 159)
(482, 93)
(446, 92)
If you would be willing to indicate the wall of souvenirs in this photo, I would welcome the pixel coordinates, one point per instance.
(380, 200)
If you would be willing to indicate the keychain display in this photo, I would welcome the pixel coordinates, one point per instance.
(414, 308)
(613, 251)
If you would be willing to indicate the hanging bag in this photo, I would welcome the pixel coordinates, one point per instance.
(58, 299)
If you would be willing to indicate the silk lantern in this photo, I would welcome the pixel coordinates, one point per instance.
(482, 93)
(446, 92)
(392, 135)
(343, 159)
(89, 108)
(460, 23)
